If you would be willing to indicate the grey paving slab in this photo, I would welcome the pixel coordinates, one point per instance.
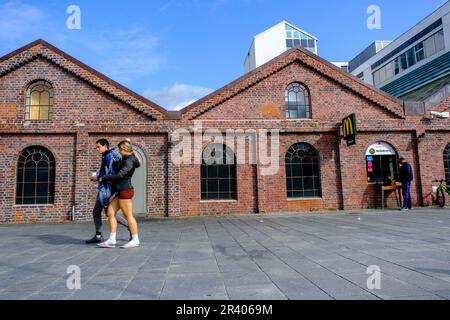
(200, 266)
(142, 287)
(238, 266)
(29, 284)
(299, 288)
(245, 277)
(157, 265)
(255, 292)
(359, 297)
(93, 293)
(390, 287)
(15, 295)
(427, 297)
(280, 256)
(49, 296)
(194, 286)
(445, 294)
(58, 286)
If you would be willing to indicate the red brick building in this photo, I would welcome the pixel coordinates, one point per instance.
(54, 108)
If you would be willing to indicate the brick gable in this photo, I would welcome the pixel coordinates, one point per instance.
(307, 61)
(265, 100)
(42, 49)
(76, 102)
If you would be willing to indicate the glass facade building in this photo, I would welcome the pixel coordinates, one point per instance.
(422, 50)
(276, 40)
(414, 66)
(296, 38)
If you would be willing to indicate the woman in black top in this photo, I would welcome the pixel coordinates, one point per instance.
(122, 183)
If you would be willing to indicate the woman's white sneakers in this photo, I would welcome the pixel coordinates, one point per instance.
(107, 244)
(131, 244)
(111, 242)
(128, 245)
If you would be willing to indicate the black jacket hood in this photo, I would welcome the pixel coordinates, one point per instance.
(136, 161)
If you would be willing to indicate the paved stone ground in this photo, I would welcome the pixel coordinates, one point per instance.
(304, 256)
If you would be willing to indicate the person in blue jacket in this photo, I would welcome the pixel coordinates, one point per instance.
(110, 163)
(406, 176)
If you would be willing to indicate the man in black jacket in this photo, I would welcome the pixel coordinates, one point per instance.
(406, 176)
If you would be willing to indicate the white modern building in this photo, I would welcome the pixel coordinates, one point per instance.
(367, 53)
(413, 67)
(276, 40)
(342, 65)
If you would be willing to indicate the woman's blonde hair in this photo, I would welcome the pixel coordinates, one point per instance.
(126, 146)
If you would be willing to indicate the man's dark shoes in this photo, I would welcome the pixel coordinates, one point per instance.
(95, 239)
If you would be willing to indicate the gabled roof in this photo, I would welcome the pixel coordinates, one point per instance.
(303, 56)
(430, 72)
(42, 49)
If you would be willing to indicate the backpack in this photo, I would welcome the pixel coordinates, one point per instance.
(105, 188)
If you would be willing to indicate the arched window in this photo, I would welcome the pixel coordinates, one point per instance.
(35, 176)
(39, 101)
(297, 101)
(302, 171)
(218, 173)
(447, 164)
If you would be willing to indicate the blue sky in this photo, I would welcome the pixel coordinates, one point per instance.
(174, 52)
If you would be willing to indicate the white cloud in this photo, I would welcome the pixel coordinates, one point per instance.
(126, 54)
(177, 96)
(19, 20)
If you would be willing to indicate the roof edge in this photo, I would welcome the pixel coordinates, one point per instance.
(312, 55)
(87, 68)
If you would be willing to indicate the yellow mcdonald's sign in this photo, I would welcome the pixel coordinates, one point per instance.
(349, 129)
(347, 126)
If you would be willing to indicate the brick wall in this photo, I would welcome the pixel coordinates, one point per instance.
(87, 108)
(63, 148)
(266, 99)
(431, 162)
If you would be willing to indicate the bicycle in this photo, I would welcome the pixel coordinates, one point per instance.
(440, 193)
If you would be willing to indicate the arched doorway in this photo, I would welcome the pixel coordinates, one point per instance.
(139, 182)
(381, 162)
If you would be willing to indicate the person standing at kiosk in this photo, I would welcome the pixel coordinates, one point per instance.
(406, 176)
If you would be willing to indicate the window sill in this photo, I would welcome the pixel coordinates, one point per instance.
(33, 205)
(305, 199)
(220, 201)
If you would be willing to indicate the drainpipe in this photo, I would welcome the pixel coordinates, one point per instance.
(72, 216)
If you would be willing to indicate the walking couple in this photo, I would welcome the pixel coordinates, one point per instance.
(115, 193)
